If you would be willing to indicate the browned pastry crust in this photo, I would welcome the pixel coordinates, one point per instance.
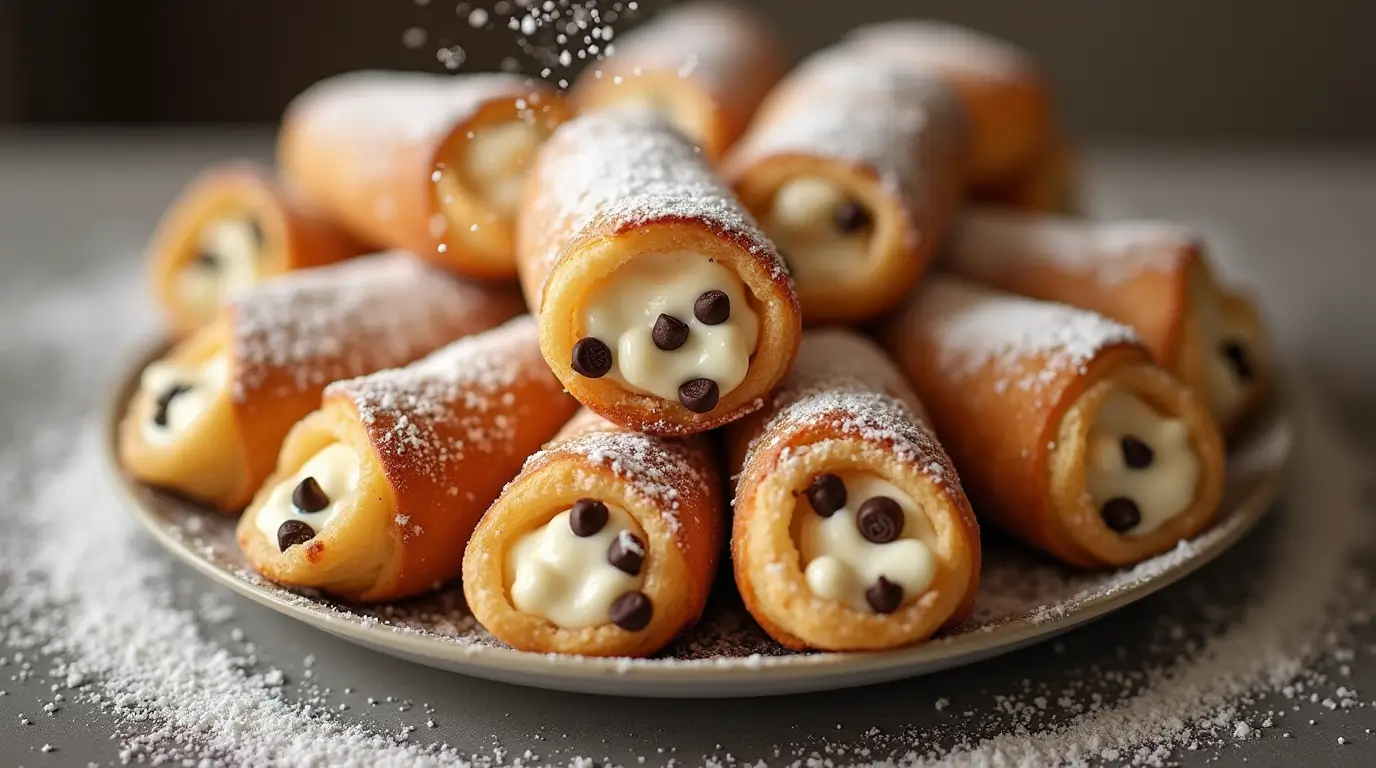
(610, 188)
(844, 408)
(295, 236)
(1149, 275)
(671, 487)
(385, 152)
(1001, 85)
(706, 66)
(437, 440)
(1014, 387)
(284, 342)
(889, 140)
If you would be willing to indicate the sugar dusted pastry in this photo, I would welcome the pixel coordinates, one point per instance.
(854, 169)
(662, 306)
(209, 417)
(1064, 431)
(376, 493)
(606, 544)
(1150, 275)
(231, 228)
(1000, 84)
(429, 163)
(851, 529)
(703, 66)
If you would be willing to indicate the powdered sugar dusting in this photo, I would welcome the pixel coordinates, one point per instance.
(434, 411)
(988, 242)
(652, 468)
(976, 328)
(401, 107)
(710, 42)
(839, 104)
(616, 170)
(845, 382)
(321, 325)
(942, 45)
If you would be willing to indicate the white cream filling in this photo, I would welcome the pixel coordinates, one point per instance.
(622, 313)
(335, 468)
(1224, 391)
(497, 158)
(204, 384)
(1162, 489)
(233, 246)
(839, 563)
(553, 573)
(802, 222)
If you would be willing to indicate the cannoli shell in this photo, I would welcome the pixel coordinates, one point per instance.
(670, 486)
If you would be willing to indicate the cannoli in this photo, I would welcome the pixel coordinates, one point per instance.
(854, 169)
(376, 493)
(429, 163)
(1050, 185)
(704, 67)
(1149, 275)
(233, 227)
(606, 544)
(209, 417)
(851, 529)
(1064, 431)
(1002, 87)
(662, 307)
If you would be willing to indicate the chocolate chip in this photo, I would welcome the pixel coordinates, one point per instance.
(309, 496)
(627, 553)
(587, 517)
(880, 520)
(884, 596)
(165, 400)
(826, 494)
(699, 395)
(293, 532)
(207, 259)
(256, 230)
(851, 217)
(1121, 514)
(632, 611)
(591, 358)
(712, 308)
(1235, 352)
(669, 333)
(1137, 454)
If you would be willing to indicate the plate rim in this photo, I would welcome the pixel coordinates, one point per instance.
(685, 677)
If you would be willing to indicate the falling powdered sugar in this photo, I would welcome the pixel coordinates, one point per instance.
(991, 244)
(708, 42)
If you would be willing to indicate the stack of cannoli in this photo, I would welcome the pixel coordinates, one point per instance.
(576, 377)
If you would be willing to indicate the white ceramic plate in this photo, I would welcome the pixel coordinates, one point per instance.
(1024, 598)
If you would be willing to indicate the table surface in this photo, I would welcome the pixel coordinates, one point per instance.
(1298, 224)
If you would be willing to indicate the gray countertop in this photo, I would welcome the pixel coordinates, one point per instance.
(1296, 224)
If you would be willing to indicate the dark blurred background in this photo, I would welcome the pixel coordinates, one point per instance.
(1208, 69)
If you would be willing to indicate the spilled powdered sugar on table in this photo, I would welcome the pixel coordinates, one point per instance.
(95, 617)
